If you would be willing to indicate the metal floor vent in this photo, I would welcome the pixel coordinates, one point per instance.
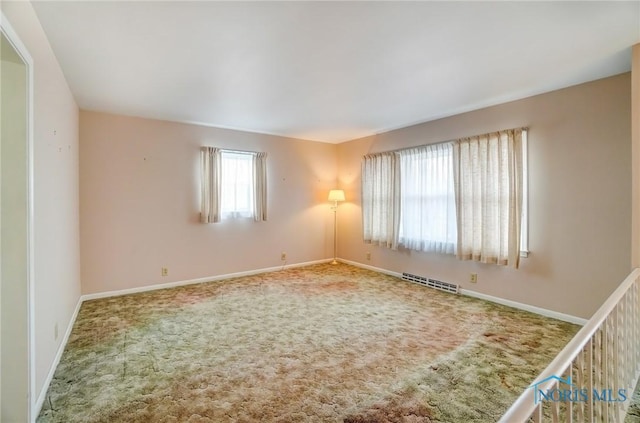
(432, 283)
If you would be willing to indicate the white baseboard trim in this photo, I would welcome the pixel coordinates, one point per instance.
(533, 309)
(368, 267)
(56, 360)
(215, 278)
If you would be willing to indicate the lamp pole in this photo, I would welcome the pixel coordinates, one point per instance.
(335, 195)
(335, 232)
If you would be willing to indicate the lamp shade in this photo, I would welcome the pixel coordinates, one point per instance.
(336, 195)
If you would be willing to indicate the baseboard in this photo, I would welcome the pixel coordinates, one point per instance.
(156, 287)
(368, 267)
(56, 360)
(533, 309)
(521, 306)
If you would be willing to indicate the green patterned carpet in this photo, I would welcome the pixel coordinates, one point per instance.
(316, 344)
(633, 413)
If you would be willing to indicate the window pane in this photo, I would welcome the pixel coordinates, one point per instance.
(237, 185)
(428, 219)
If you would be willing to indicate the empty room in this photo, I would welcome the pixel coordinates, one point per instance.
(319, 211)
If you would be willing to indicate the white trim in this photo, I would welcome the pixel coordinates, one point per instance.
(31, 243)
(526, 307)
(56, 360)
(23, 52)
(368, 267)
(215, 278)
(521, 306)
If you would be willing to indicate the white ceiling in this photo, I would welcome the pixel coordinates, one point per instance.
(329, 71)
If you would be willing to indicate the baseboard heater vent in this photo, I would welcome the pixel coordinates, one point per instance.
(431, 283)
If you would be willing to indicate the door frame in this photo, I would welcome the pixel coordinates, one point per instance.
(17, 44)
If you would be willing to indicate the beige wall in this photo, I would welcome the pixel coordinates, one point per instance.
(579, 196)
(13, 220)
(56, 203)
(139, 191)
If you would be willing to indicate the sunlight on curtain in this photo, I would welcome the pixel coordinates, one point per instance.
(428, 209)
(237, 188)
(233, 185)
(260, 186)
(488, 179)
(210, 166)
(381, 199)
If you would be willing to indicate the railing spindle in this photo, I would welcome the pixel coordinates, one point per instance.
(603, 357)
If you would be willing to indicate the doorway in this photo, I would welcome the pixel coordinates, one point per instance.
(16, 331)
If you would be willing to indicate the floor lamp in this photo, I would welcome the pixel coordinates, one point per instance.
(335, 195)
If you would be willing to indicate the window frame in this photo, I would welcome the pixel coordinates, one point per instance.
(524, 222)
(427, 159)
(227, 182)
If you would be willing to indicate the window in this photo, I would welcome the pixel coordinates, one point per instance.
(489, 196)
(233, 184)
(467, 197)
(428, 209)
(236, 194)
(380, 189)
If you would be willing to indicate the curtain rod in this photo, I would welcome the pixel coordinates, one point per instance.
(523, 128)
(229, 150)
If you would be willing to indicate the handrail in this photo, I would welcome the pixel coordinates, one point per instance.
(522, 409)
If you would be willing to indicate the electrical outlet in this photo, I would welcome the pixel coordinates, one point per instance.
(165, 271)
(473, 278)
(368, 255)
(283, 256)
(55, 332)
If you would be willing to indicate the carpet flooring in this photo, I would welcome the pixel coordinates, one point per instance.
(320, 343)
(633, 412)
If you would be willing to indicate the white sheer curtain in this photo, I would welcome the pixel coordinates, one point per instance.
(237, 186)
(488, 181)
(233, 184)
(210, 172)
(428, 209)
(260, 187)
(381, 199)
